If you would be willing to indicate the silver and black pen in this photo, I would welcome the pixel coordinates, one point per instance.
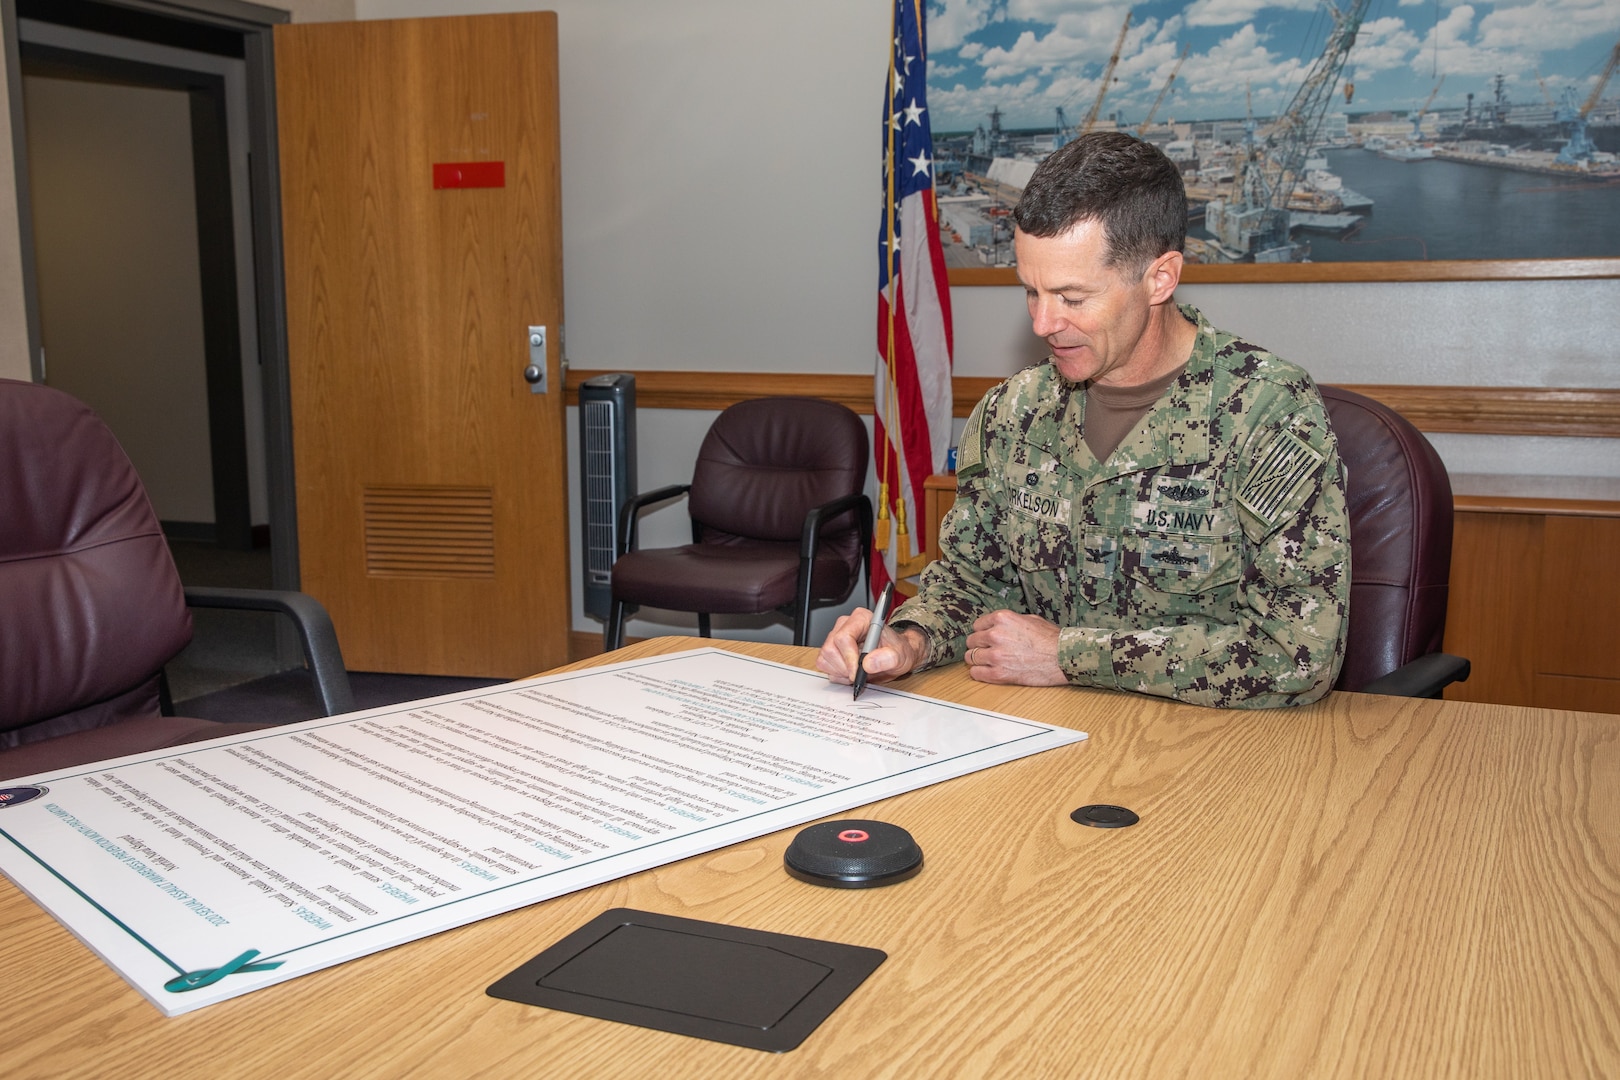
(880, 616)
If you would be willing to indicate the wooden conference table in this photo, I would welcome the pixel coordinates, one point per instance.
(1364, 887)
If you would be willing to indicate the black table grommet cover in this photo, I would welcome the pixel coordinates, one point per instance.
(1103, 816)
(710, 981)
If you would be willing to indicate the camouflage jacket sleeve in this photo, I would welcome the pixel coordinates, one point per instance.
(1219, 581)
(972, 575)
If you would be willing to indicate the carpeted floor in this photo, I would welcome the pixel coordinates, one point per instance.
(231, 671)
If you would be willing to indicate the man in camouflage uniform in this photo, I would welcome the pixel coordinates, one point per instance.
(1199, 552)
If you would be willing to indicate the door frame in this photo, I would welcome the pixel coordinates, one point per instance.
(255, 24)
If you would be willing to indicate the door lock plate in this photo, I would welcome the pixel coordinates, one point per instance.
(534, 372)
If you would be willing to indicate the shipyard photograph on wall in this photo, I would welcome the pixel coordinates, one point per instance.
(1307, 131)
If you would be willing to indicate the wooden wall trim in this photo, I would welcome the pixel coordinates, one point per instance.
(966, 390)
(1471, 410)
(1508, 504)
(718, 389)
(1503, 410)
(1549, 496)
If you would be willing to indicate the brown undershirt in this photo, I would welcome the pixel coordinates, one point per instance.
(1112, 411)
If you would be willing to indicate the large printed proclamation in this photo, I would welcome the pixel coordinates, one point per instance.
(206, 871)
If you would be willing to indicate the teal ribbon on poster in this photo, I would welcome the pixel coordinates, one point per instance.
(196, 980)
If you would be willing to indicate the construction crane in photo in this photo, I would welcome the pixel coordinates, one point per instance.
(1107, 76)
(1417, 117)
(1258, 222)
(1545, 96)
(1164, 90)
(1249, 156)
(1060, 130)
(1577, 152)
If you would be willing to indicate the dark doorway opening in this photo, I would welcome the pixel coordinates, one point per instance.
(231, 523)
(220, 28)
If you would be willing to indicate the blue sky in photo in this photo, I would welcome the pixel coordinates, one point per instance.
(1028, 57)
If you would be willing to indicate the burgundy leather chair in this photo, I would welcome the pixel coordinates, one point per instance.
(91, 606)
(1399, 501)
(779, 520)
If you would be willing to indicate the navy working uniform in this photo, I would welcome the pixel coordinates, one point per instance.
(1207, 559)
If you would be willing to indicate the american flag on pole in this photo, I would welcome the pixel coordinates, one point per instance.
(912, 414)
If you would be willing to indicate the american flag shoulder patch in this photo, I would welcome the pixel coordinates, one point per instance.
(970, 452)
(1280, 466)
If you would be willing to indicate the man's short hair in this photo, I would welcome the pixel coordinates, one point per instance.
(1123, 182)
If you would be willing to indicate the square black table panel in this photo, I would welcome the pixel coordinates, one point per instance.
(746, 987)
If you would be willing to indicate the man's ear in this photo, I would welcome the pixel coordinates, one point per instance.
(1163, 275)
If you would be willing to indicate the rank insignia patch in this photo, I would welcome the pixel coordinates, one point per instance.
(1101, 555)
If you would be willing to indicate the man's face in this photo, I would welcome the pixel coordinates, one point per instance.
(1091, 316)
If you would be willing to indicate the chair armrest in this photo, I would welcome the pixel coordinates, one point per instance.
(810, 536)
(315, 630)
(630, 511)
(1424, 677)
(810, 541)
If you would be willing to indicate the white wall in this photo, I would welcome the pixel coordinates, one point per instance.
(316, 10)
(1484, 333)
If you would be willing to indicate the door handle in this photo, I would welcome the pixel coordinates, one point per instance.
(534, 372)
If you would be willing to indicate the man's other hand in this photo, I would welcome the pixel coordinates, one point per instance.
(1012, 649)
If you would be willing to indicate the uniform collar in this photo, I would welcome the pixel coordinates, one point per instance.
(1176, 430)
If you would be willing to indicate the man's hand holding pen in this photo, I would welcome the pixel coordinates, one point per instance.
(874, 634)
(896, 653)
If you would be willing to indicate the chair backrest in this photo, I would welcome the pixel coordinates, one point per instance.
(91, 607)
(1399, 502)
(767, 462)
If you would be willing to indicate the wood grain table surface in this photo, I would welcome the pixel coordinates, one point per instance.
(1363, 887)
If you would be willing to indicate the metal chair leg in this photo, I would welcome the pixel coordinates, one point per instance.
(613, 633)
(703, 624)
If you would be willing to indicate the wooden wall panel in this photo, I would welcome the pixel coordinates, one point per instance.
(1495, 581)
(1583, 695)
(1579, 612)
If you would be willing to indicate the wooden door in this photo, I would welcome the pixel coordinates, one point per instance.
(432, 505)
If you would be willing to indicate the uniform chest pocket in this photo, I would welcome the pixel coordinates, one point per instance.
(1044, 555)
(1172, 563)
